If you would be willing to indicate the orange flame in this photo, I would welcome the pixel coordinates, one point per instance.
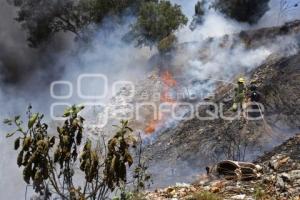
(151, 126)
(168, 79)
(168, 83)
(165, 97)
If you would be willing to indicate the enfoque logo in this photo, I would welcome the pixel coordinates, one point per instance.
(131, 110)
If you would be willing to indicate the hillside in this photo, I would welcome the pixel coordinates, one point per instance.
(279, 176)
(192, 144)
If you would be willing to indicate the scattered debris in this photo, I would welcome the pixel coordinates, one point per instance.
(276, 175)
(238, 170)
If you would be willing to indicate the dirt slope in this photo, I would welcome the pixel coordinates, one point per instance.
(279, 178)
(187, 148)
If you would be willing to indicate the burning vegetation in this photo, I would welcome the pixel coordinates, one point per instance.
(169, 84)
(229, 74)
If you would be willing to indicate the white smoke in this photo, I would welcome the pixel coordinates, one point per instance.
(281, 11)
(214, 25)
(229, 63)
(223, 58)
(108, 54)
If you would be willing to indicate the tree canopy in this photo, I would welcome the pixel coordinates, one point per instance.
(249, 11)
(156, 22)
(199, 13)
(43, 18)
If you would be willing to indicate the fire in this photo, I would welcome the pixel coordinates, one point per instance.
(168, 79)
(165, 97)
(168, 84)
(151, 126)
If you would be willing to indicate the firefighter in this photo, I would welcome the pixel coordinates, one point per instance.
(254, 98)
(253, 94)
(239, 95)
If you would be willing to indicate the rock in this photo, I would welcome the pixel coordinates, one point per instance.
(193, 189)
(170, 190)
(182, 192)
(294, 175)
(206, 188)
(215, 189)
(285, 177)
(239, 197)
(278, 160)
(280, 183)
(182, 185)
(258, 168)
(217, 184)
(235, 189)
(267, 179)
(201, 182)
(296, 183)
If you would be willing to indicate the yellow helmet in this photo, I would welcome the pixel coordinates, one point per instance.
(241, 80)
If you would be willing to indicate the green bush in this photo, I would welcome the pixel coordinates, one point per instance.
(167, 44)
(156, 21)
(49, 162)
(205, 196)
(260, 193)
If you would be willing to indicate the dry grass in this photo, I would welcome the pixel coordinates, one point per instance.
(204, 196)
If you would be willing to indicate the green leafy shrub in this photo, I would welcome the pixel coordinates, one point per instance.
(157, 21)
(205, 196)
(49, 162)
(260, 193)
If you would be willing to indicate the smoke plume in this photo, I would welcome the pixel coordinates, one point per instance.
(26, 74)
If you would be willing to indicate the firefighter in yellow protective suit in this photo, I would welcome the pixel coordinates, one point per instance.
(239, 96)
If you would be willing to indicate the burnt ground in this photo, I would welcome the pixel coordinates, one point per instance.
(290, 148)
(185, 149)
(278, 179)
